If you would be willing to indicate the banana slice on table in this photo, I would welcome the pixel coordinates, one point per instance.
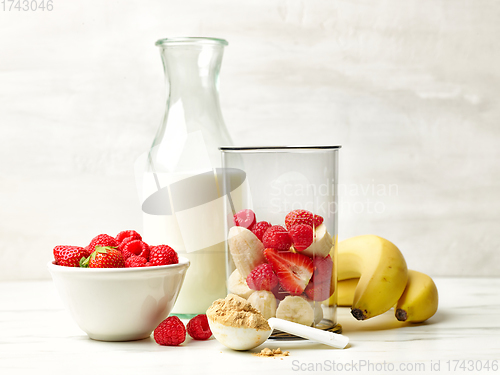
(236, 284)
(265, 302)
(295, 309)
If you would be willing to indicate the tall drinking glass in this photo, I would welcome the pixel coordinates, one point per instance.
(286, 267)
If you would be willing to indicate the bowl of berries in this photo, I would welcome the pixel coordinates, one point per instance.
(118, 288)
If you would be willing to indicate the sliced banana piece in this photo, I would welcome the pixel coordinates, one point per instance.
(295, 309)
(318, 310)
(236, 284)
(322, 244)
(265, 302)
(246, 250)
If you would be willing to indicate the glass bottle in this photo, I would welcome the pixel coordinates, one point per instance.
(182, 204)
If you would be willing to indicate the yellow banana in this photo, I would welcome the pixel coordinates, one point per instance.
(345, 292)
(382, 273)
(419, 300)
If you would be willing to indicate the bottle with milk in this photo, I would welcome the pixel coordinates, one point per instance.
(182, 202)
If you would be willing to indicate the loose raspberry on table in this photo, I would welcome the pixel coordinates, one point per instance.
(198, 328)
(136, 261)
(170, 332)
(298, 217)
(302, 236)
(262, 277)
(126, 234)
(135, 247)
(162, 255)
(260, 228)
(277, 237)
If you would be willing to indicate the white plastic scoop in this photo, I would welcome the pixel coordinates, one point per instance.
(241, 338)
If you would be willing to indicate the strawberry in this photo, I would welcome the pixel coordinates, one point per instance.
(104, 257)
(277, 237)
(319, 291)
(260, 228)
(198, 327)
(245, 218)
(294, 270)
(69, 256)
(262, 277)
(162, 255)
(135, 247)
(320, 286)
(135, 261)
(302, 236)
(102, 240)
(317, 220)
(126, 234)
(323, 268)
(280, 293)
(170, 332)
(298, 217)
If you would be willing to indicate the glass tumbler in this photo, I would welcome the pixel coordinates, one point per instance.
(281, 225)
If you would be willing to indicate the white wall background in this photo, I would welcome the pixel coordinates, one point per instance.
(411, 89)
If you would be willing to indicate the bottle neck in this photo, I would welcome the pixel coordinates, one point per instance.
(192, 74)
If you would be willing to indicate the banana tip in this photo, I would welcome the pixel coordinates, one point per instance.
(358, 314)
(401, 315)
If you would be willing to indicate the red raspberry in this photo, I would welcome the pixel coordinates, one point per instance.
(260, 228)
(298, 217)
(302, 236)
(277, 237)
(101, 240)
(317, 220)
(136, 261)
(262, 277)
(245, 218)
(198, 328)
(69, 256)
(127, 233)
(170, 332)
(161, 255)
(135, 247)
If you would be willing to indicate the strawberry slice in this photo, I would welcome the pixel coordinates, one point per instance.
(323, 268)
(245, 218)
(319, 291)
(294, 270)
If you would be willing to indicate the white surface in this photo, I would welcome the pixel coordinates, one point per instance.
(411, 89)
(38, 335)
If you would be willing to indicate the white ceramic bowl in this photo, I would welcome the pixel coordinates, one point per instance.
(119, 304)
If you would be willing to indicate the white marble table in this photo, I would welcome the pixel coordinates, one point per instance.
(37, 335)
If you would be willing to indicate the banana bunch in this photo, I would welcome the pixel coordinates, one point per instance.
(373, 277)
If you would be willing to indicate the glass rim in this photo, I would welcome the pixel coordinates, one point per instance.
(176, 41)
(279, 148)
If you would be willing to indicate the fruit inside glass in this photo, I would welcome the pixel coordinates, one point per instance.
(281, 225)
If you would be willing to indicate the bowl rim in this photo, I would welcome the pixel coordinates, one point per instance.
(183, 262)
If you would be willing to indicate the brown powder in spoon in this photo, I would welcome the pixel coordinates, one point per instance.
(234, 311)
